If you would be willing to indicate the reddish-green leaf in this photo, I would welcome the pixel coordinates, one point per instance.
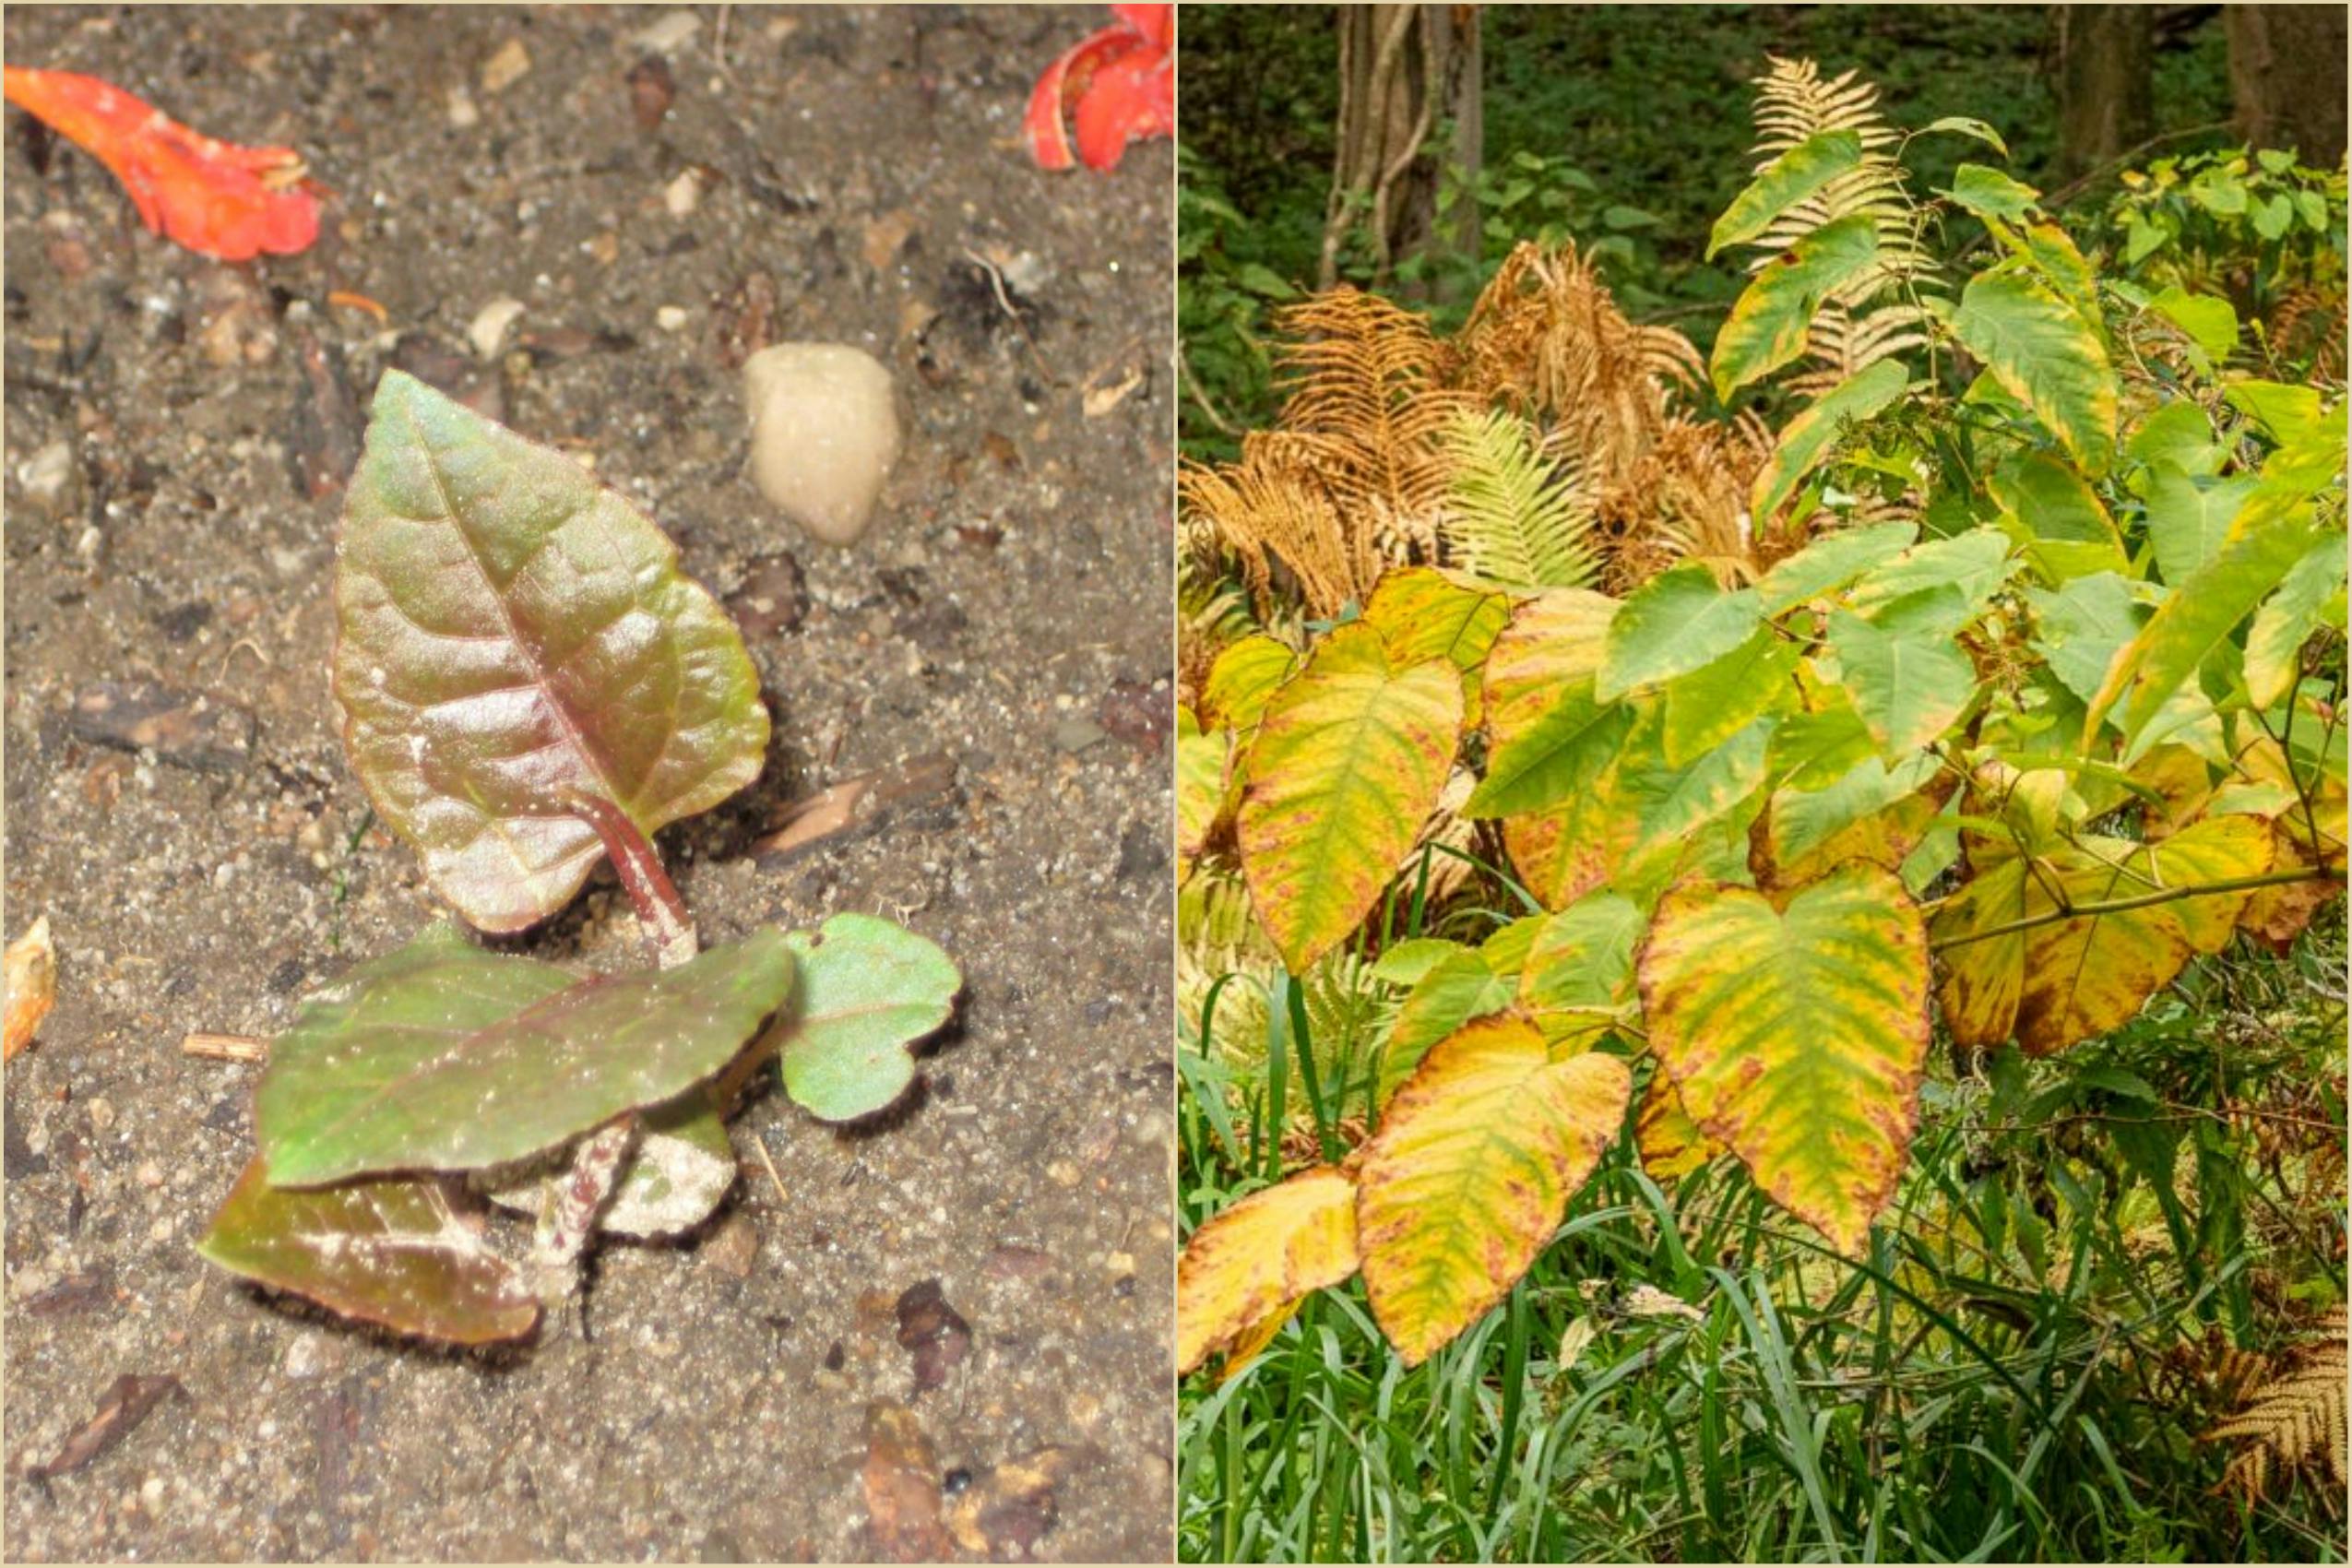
(443, 1057)
(510, 631)
(392, 1252)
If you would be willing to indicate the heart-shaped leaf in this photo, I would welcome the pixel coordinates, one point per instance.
(868, 990)
(1796, 1031)
(443, 1057)
(1471, 1170)
(510, 631)
(391, 1252)
(1259, 1256)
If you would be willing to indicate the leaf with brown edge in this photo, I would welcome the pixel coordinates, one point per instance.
(1347, 764)
(1473, 1167)
(1795, 1028)
(391, 1252)
(509, 631)
(1265, 1253)
(1874, 813)
(1423, 612)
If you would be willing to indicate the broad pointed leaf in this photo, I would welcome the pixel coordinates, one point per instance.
(1467, 983)
(1790, 178)
(1989, 192)
(1259, 1257)
(2197, 619)
(1347, 764)
(1669, 1142)
(1808, 439)
(510, 630)
(1242, 681)
(2081, 627)
(1972, 565)
(2189, 515)
(1906, 677)
(392, 1252)
(1471, 1171)
(1797, 1034)
(2309, 597)
(1678, 621)
(443, 1057)
(1554, 756)
(1424, 613)
(2044, 354)
(1876, 815)
(868, 990)
(1714, 702)
(1202, 765)
(1769, 323)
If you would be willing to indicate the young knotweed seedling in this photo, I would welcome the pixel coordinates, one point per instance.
(526, 684)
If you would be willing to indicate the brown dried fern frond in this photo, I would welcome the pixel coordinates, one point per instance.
(1369, 396)
(2294, 1418)
(2309, 320)
(1273, 507)
(1544, 337)
(1687, 500)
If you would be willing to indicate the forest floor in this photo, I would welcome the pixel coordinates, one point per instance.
(859, 180)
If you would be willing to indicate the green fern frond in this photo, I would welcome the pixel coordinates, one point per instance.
(2295, 1417)
(1516, 519)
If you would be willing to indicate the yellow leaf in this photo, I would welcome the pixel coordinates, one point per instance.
(1347, 764)
(1471, 1171)
(1796, 1032)
(1259, 1257)
(1672, 1144)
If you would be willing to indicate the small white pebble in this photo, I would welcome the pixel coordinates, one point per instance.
(683, 194)
(825, 432)
(670, 319)
(490, 324)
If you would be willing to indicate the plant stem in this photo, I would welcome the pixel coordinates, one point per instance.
(2136, 901)
(661, 914)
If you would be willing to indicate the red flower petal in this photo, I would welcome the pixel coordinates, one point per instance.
(1157, 23)
(215, 198)
(1131, 97)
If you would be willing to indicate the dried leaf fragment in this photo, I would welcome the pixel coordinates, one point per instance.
(1005, 1513)
(129, 1400)
(901, 1478)
(935, 1331)
(32, 986)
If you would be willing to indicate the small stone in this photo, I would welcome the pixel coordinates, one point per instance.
(1063, 1172)
(670, 319)
(462, 112)
(683, 194)
(668, 35)
(101, 1114)
(149, 1174)
(311, 1355)
(506, 67)
(47, 478)
(488, 332)
(825, 432)
(734, 1247)
(1077, 735)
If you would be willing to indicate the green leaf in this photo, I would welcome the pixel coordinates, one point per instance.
(1811, 435)
(1906, 679)
(390, 1251)
(2041, 352)
(1832, 561)
(1263, 281)
(1581, 958)
(1797, 1034)
(1552, 757)
(1768, 323)
(2178, 432)
(868, 990)
(2082, 627)
(1347, 764)
(1973, 565)
(1678, 621)
(1800, 172)
(510, 630)
(1714, 702)
(1963, 126)
(1407, 962)
(2205, 318)
(2190, 516)
(443, 1057)
(2053, 501)
(1202, 762)
(2197, 619)
(1989, 192)
(1470, 1173)
(2309, 597)
(2291, 414)
(1462, 986)
(1873, 814)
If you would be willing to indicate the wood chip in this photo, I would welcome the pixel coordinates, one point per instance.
(32, 964)
(225, 1048)
(858, 805)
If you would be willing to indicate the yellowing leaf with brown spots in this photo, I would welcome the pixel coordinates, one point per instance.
(1472, 1169)
(2056, 983)
(1258, 1257)
(1347, 764)
(1796, 1029)
(1671, 1143)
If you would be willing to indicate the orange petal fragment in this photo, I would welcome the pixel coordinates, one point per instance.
(32, 965)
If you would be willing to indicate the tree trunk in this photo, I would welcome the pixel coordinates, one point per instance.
(2286, 76)
(1401, 68)
(2105, 88)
